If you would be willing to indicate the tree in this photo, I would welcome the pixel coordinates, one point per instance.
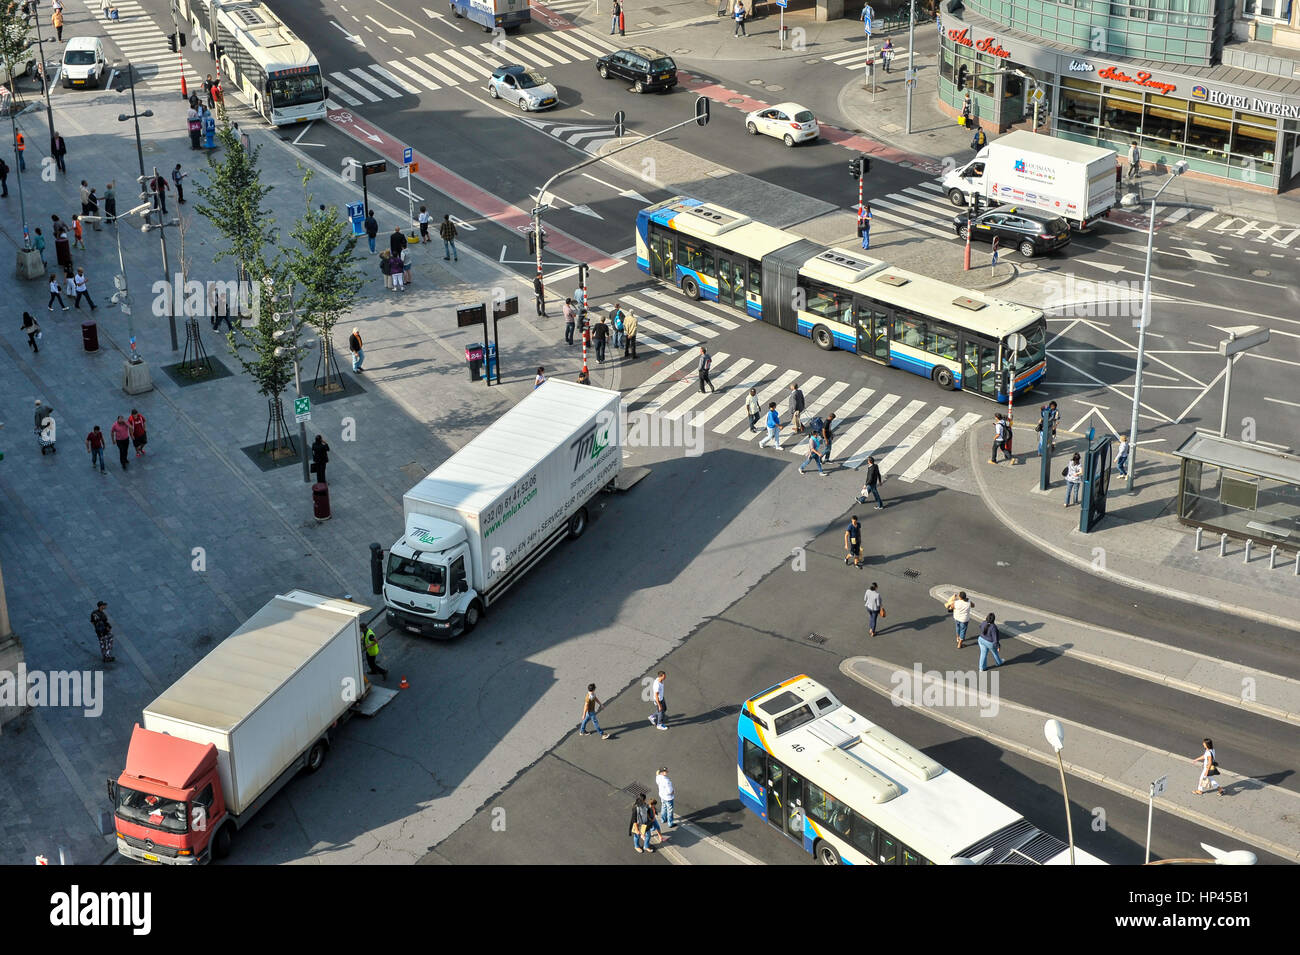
(327, 278)
(15, 41)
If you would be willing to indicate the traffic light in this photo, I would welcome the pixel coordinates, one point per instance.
(171, 42)
(701, 110)
(859, 167)
(963, 76)
(532, 241)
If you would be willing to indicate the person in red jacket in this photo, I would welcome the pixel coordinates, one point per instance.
(138, 436)
(95, 445)
(121, 435)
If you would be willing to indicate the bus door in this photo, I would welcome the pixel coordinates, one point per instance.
(873, 331)
(784, 799)
(979, 367)
(731, 280)
(661, 256)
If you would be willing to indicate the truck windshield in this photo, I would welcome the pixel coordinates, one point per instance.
(410, 574)
(169, 815)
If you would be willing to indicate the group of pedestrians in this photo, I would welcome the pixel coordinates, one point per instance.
(125, 432)
(651, 816)
(990, 638)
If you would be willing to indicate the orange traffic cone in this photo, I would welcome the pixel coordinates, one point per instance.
(403, 685)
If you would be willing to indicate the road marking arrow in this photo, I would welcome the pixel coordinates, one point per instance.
(1200, 255)
(462, 224)
(400, 31)
(438, 16)
(351, 36)
(627, 193)
(587, 211)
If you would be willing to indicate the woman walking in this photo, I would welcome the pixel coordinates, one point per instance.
(32, 330)
(875, 608)
(639, 825)
(960, 607)
(1209, 769)
(990, 642)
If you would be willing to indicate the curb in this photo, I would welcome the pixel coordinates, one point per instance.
(1066, 556)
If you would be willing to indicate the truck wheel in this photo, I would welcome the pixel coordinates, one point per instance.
(472, 616)
(221, 843)
(1027, 249)
(455, 12)
(316, 756)
(957, 198)
(822, 338)
(944, 379)
(578, 524)
(826, 854)
(690, 288)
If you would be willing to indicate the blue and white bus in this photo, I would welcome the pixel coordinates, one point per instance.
(850, 792)
(844, 299)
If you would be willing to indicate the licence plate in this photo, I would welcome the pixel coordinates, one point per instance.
(663, 76)
(152, 858)
(412, 629)
(301, 119)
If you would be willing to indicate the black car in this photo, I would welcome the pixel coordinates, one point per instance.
(646, 67)
(1028, 230)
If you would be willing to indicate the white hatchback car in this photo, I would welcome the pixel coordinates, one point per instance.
(788, 122)
(83, 62)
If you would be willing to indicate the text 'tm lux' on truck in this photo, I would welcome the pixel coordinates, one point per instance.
(230, 733)
(496, 507)
(1029, 169)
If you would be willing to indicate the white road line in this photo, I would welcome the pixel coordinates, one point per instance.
(647, 341)
(945, 440)
(903, 220)
(1201, 220)
(1177, 215)
(346, 98)
(722, 381)
(643, 389)
(667, 332)
(475, 60)
(588, 44)
(809, 387)
(395, 80)
(1287, 240)
(441, 77)
(665, 315)
(375, 82)
(686, 305)
(764, 397)
(753, 380)
(864, 424)
(355, 87)
(551, 42)
(661, 402)
(530, 49)
(895, 457)
(401, 67)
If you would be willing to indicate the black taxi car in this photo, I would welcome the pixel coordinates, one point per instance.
(1029, 231)
(646, 68)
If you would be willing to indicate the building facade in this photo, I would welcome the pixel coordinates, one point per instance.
(1181, 78)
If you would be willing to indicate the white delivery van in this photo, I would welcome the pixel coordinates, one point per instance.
(1029, 169)
(83, 62)
(496, 507)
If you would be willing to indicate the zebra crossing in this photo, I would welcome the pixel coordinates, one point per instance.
(571, 8)
(856, 58)
(588, 137)
(144, 44)
(1222, 224)
(905, 437)
(470, 64)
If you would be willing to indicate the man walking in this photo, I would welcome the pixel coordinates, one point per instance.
(753, 409)
(795, 405)
(320, 458)
(95, 445)
(667, 794)
(702, 369)
(827, 432)
(1134, 161)
(103, 632)
(600, 335)
(371, 226)
(773, 427)
(814, 454)
(59, 149)
(55, 295)
(177, 176)
(20, 144)
(738, 14)
(356, 346)
(629, 333)
(79, 285)
(589, 707)
(447, 231)
(875, 608)
(853, 542)
(999, 436)
(659, 717)
(873, 480)
(121, 435)
(370, 642)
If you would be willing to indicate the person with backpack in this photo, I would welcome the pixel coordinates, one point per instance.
(103, 631)
(139, 437)
(703, 368)
(999, 436)
(1006, 439)
(616, 318)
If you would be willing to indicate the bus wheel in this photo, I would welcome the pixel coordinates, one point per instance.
(957, 198)
(944, 379)
(823, 338)
(690, 288)
(826, 854)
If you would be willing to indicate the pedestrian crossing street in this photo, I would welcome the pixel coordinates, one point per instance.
(856, 59)
(905, 436)
(470, 64)
(144, 44)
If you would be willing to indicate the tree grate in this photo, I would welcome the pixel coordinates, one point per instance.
(816, 638)
(912, 574)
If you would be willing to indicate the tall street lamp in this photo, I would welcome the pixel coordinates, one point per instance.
(161, 228)
(42, 74)
(135, 115)
(136, 377)
(1055, 734)
(1133, 199)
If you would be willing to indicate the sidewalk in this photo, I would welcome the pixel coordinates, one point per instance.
(1140, 542)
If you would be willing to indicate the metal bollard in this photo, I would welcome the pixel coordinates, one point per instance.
(1198, 539)
(1272, 556)
(1223, 545)
(1248, 543)
(1297, 563)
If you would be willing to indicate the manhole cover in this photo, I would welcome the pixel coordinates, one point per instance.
(774, 88)
(816, 638)
(732, 99)
(755, 82)
(812, 62)
(682, 51)
(635, 789)
(943, 467)
(909, 573)
(1261, 273)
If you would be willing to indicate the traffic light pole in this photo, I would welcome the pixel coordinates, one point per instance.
(911, 60)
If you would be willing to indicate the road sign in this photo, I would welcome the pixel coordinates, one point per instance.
(1036, 95)
(538, 210)
(1242, 337)
(407, 154)
(413, 167)
(620, 123)
(301, 410)
(374, 167)
(782, 3)
(471, 315)
(910, 75)
(1159, 786)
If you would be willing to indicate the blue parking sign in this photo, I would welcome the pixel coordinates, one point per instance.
(406, 156)
(868, 15)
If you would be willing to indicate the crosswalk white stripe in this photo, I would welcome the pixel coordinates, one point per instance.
(723, 381)
(593, 46)
(441, 77)
(1201, 220)
(375, 82)
(937, 204)
(926, 205)
(647, 386)
(491, 55)
(346, 98)
(664, 315)
(555, 47)
(895, 457)
(753, 380)
(581, 139)
(469, 62)
(395, 80)
(648, 341)
(666, 332)
(680, 301)
(417, 77)
(884, 434)
(808, 387)
(843, 54)
(531, 49)
(661, 402)
(452, 67)
(815, 408)
(935, 451)
(933, 186)
(765, 396)
(865, 423)
(355, 87)
(903, 220)
(1178, 215)
(847, 408)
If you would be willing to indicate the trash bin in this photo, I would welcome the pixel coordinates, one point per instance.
(474, 358)
(89, 336)
(320, 501)
(492, 362)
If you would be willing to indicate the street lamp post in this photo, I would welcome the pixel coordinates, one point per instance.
(1132, 199)
(18, 170)
(42, 74)
(911, 60)
(137, 377)
(1055, 734)
(135, 115)
(161, 228)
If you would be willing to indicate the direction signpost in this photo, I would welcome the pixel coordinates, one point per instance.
(302, 410)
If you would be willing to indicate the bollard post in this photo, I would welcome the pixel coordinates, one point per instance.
(1272, 556)
(1198, 539)
(1248, 543)
(1223, 545)
(1297, 563)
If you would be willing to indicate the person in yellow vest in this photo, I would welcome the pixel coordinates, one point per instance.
(56, 19)
(371, 643)
(21, 146)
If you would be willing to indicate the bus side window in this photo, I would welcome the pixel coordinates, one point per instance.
(755, 763)
(888, 854)
(863, 836)
(909, 331)
(755, 279)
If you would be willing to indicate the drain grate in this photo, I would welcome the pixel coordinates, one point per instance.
(816, 638)
(635, 789)
(911, 574)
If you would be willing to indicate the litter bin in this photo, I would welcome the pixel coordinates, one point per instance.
(492, 362)
(320, 501)
(474, 358)
(89, 336)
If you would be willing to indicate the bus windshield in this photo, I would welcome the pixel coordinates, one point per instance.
(299, 90)
(1036, 335)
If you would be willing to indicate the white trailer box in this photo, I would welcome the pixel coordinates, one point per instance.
(269, 691)
(490, 512)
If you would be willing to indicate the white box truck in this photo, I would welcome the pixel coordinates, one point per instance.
(496, 507)
(1030, 169)
(230, 733)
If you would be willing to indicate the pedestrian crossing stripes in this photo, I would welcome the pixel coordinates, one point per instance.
(470, 64)
(585, 136)
(856, 58)
(144, 44)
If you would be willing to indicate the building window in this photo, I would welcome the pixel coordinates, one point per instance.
(1122, 111)
(1208, 130)
(1268, 9)
(1255, 144)
(1080, 105)
(1166, 120)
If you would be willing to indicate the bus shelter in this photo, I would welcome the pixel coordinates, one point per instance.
(1244, 490)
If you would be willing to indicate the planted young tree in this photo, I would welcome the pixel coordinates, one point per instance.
(326, 276)
(15, 41)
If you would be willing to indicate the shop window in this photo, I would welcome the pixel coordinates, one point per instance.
(1166, 120)
(1254, 142)
(947, 69)
(1122, 114)
(1080, 102)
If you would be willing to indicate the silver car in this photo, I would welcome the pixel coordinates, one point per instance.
(525, 88)
(788, 122)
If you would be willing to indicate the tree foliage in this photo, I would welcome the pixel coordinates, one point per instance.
(232, 200)
(15, 40)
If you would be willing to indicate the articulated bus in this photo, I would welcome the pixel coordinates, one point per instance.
(274, 70)
(841, 299)
(850, 792)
